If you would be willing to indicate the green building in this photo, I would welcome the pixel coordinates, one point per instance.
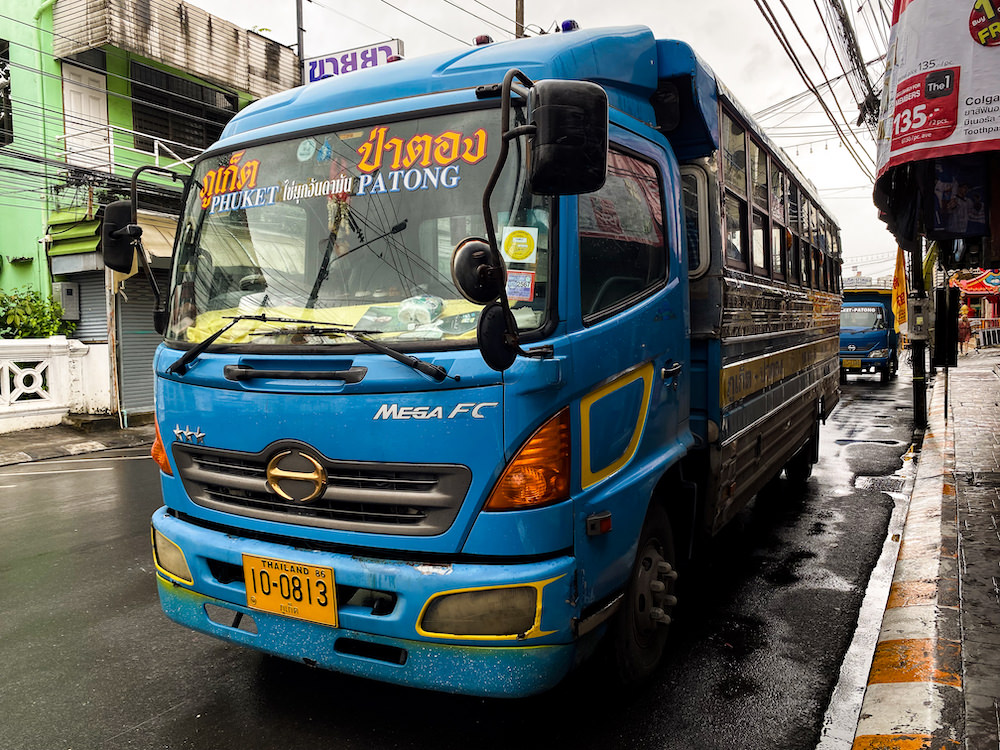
(90, 90)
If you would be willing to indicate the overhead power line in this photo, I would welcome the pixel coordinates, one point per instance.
(772, 21)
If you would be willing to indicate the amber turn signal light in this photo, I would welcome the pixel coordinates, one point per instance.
(539, 473)
(159, 453)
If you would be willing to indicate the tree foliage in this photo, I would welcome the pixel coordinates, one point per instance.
(26, 314)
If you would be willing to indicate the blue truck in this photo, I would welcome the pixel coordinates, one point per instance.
(464, 356)
(869, 342)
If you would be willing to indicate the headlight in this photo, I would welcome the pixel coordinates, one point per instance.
(878, 353)
(169, 559)
(509, 611)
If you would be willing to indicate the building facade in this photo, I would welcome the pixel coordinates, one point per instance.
(94, 90)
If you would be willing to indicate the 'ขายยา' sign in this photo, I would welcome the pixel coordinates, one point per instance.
(348, 61)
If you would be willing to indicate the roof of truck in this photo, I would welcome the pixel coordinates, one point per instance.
(622, 59)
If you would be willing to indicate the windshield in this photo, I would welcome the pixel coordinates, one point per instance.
(868, 318)
(354, 229)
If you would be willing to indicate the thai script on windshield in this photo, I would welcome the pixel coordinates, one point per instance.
(229, 178)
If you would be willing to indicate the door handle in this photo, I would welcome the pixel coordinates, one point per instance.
(671, 370)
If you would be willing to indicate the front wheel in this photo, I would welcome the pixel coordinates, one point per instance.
(639, 631)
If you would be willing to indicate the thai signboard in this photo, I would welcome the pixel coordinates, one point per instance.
(348, 61)
(941, 93)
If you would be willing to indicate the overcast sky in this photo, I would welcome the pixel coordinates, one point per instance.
(732, 37)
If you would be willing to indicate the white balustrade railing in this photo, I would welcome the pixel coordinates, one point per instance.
(98, 148)
(42, 380)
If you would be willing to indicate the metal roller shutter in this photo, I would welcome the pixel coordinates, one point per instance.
(92, 328)
(137, 342)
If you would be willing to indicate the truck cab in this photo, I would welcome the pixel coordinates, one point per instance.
(869, 342)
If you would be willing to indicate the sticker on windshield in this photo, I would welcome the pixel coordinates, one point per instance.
(306, 150)
(521, 285)
(519, 244)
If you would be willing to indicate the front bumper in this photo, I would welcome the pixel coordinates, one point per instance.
(385, 646)
(854, 363)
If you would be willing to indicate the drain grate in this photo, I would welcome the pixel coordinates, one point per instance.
(879, 484)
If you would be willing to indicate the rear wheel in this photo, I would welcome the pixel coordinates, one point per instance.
(799, 467)
(639, 632)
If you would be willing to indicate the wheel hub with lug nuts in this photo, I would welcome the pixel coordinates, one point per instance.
(653, 597)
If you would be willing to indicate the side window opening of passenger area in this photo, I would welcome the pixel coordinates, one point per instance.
(622, 242)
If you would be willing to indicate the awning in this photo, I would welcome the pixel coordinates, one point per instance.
(158, 232)
(987, 282)
(73, 231)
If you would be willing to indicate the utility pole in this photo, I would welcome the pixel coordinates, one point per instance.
(918, 346)
(518, 18)
(300, 34)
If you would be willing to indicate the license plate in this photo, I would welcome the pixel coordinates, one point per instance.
(305, 592)
(851, 363)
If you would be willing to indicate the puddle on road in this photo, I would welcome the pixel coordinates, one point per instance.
(879, 484)
(849, 441)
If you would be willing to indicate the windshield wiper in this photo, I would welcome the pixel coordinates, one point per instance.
(180, 367)
(324, 266)
(436, 372)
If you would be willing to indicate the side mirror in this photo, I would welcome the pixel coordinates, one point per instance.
(117, 233)
(494, 341)
(569, 150)
(475, 275)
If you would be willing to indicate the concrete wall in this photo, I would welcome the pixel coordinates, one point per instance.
(42, 380)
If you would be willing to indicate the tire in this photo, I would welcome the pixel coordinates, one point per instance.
(843, 376)
(799, 467)
(638, 632)
(884, 375)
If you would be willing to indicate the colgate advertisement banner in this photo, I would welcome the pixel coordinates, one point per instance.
(941, 92)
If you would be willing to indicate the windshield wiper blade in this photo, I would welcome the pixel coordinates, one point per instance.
(180, 367)
(436, 372)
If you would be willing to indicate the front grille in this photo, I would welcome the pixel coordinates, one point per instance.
(372, 497)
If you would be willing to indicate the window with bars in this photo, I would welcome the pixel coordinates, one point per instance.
(175, 109)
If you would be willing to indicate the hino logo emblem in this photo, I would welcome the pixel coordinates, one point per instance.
(851, 347)
(296, 476)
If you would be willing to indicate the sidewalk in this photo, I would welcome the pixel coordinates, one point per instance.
(64, 440)
(935, 676)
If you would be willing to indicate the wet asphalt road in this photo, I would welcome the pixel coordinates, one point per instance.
(88, 661)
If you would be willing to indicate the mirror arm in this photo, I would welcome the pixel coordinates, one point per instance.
(130, 230)
(507, 134)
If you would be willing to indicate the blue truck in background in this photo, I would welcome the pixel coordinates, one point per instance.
(464, 356)
(869, 342)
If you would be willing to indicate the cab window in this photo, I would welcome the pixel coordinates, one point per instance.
(622, 247)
